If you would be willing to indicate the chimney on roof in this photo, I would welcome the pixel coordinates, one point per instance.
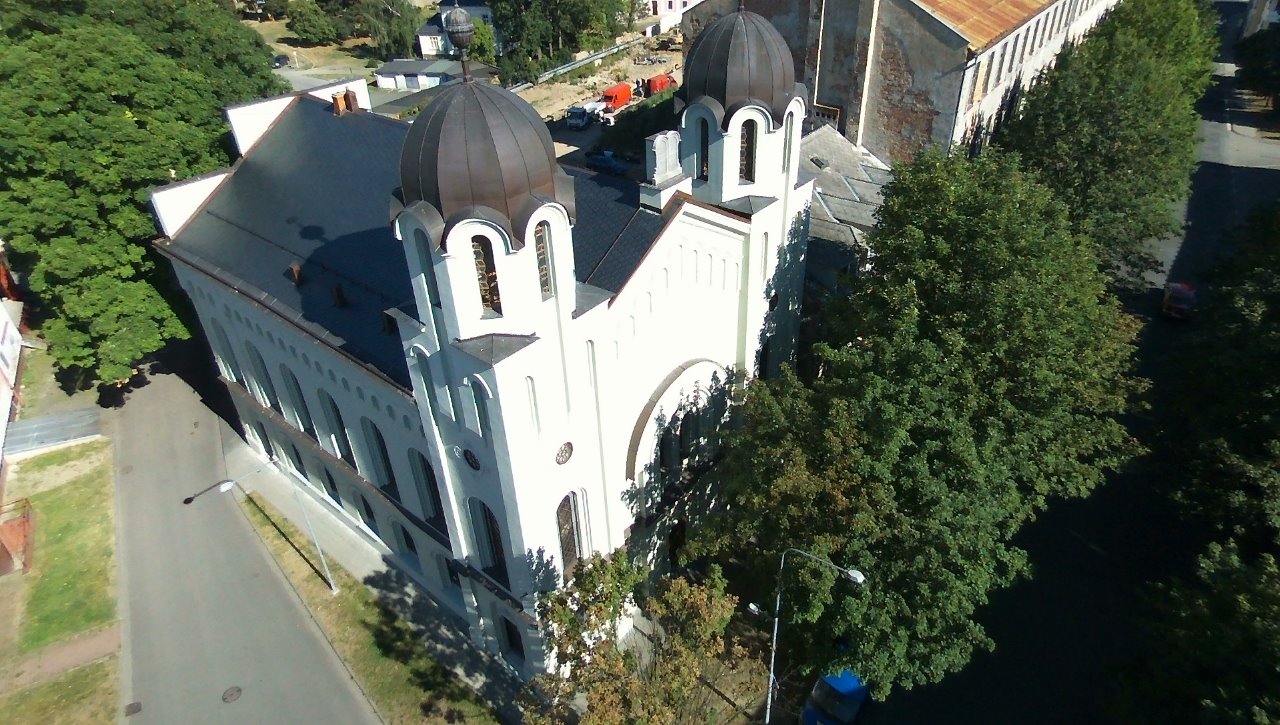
(353, 101)
(295, 273)
(339, 297)
(340, 103)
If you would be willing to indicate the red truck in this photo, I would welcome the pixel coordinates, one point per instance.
(657, 84)
(616, 96)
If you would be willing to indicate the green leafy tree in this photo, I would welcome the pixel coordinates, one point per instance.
(1112, 128)
(102, 120)
(1228, 452)
(393, 25)
(1214, 644)
(276, 8)
(1258, 62)
(972, 377)
(309, 23)
(484, 46)
(656, 680)
(200, 35)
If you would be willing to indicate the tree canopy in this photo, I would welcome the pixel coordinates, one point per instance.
(1112, 128)
(974, 375)
(1258, 62)
(659, 678)
(309, 24)
(537, 34)
(393, 25)
(110, 99)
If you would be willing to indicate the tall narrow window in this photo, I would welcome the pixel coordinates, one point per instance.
(542, 247)
(408, 548)
(261, 433)
(704, 149)
(424, 477)
(514, 644)
(299, 404)
(787, 132)
(747, 151)
(385, 474)
(262, 380)
(367, 516)
(486, 274)
(339, 440)
(488, 535)
(331, 487)
(482, 408)
(428, 273)
(568, 524)
(224, 354)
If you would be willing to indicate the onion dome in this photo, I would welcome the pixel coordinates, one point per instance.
(478, 151)
(738, 60)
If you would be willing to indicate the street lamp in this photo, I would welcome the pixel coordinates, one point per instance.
(852, 575)
(227, 484)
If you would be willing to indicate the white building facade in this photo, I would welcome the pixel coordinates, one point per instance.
(514, 369)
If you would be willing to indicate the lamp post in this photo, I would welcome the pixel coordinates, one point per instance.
(229, 483)
(852, 575)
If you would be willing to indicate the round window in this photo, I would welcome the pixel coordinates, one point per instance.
(471, 459)
(565, 452)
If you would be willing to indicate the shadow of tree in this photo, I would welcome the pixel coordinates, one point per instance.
(415, 630)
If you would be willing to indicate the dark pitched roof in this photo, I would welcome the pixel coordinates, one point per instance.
(613, 232)
(313, 191)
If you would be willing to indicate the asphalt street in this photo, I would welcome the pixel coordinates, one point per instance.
(1063, 637)
(212, 631)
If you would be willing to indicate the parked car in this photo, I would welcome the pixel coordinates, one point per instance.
(835, 700)
(577, 118)
(1179, 302)
(605, 162)
(280, 61)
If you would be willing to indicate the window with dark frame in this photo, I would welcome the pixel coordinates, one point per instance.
(567, 523)
(747, 151)
(486, 274)
(542, 248)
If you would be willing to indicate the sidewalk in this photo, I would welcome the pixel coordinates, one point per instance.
(446, 638)
(50, 662)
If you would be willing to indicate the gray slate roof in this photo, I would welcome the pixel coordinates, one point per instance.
(315, 190)
(848, 185)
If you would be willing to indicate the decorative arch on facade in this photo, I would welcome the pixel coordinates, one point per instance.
(684, 391)
(339, 438)
(298, 402)
(747, 136)
(384, 472)
(486, 274)
(224, 353)
(542, 250)
(490, 541)
(569, 526)
(262, 379)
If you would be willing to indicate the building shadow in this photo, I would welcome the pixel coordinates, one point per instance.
(415, 630)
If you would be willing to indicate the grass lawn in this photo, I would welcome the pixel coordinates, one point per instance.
(406, 688)
(84, 695)
(71, 587)
(37, 381)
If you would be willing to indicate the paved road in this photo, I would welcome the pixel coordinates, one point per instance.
(1062, 637)
(204, 607)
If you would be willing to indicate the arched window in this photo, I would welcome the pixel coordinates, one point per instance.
(224, 354)
(262, 380)
(482, 408)
(367, 516)
(423, 248)
(260, 432)
(383, 472)
(542, 247)
(787, 132)
(299, 404)
(295, 460)
(339, 440)
(534, 416)
(747, 150)
(569, 525)
(331, 487)
(512, 642)
(486, 274)
(489, 541)
(424, 477)
(422, 366)
(408, 548)
(704, 149)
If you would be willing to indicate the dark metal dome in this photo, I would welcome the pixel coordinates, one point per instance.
(479, 151)
(740, 59)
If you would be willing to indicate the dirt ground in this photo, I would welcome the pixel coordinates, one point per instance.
(552, 99)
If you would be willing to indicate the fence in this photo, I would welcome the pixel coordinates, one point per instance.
(17, 539)
(574, 65)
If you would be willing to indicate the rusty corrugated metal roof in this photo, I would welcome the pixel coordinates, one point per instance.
(982, 22)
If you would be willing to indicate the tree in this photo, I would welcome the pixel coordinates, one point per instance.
(484, 46)
(393, 25)
(276, 8)
(1112, 128)
(658, 679)
(101, 121)
(201, 35)
(309, 23)
(1228, 453)
(1258, 58)
(1213, 644)
(972, 377)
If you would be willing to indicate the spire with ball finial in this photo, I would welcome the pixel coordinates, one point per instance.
(461, 31)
